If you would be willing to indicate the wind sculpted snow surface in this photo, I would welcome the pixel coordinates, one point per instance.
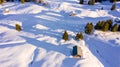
(39, 44)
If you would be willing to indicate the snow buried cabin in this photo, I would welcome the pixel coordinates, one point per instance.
(77, 52)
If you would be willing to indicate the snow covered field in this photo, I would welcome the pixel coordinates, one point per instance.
(39, 44)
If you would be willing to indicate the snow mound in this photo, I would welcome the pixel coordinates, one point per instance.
(41, 27)
(110, 37)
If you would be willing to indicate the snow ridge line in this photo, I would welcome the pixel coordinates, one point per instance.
(12, 42)
(35, 53)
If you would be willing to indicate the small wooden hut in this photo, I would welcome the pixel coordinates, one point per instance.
(77, 52)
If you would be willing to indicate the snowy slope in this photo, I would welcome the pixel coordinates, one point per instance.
(39, 43)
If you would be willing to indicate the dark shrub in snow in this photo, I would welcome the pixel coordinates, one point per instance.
(65, 36)
(89, 28)
(79, 36)
(114, 28)
(113, 7)
(18, 27)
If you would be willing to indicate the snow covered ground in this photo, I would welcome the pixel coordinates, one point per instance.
(39, 44)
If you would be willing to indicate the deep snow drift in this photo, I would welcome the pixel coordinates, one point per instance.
(39, 44)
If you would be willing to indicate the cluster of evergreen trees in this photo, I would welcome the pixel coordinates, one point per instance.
(107, 26)
(79, 36)
(103, 26)
(92, 2)
(89, 28)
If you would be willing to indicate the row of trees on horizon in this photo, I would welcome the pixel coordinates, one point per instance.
(92, 2)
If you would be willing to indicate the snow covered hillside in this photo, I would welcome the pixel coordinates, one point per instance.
(40, 43)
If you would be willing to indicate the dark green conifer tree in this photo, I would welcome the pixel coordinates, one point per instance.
(113, 7)
(105, 27)
(81, 1)
(79, 36)
(97, 26)
(22, 1)
(18, 27)
(40, 1)
(114, 28)
(89, 28)
(110, 23)
(91, 2)
(65, 36)
(119, 28)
